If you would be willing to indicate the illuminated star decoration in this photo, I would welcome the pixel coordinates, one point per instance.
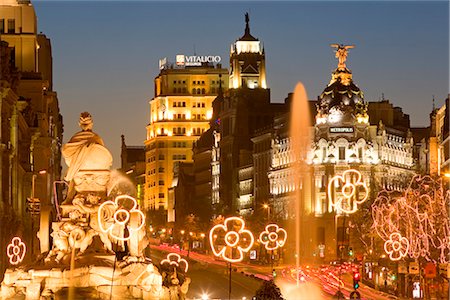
(419, 214)
(16, 251)
(231, 239)
(353, 192)
(174, 259)
(113, 217)
(397, 246)
(273, 237)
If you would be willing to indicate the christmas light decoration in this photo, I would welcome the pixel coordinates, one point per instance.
(236, 238)
(113, 217)
(420, 215)
(397, 246)
(353, 192)
(273, 237)
(176, 260)
(16, 251)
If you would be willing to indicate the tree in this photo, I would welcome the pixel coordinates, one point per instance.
(415, 223)
(268, 291)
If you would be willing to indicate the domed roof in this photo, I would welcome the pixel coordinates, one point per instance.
(341, 94)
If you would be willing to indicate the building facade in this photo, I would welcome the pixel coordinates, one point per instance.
(31, 126)
(179, 113)
(343, 138)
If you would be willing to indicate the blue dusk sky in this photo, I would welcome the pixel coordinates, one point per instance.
(105, 53)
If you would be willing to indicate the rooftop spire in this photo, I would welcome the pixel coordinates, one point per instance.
(247, 26)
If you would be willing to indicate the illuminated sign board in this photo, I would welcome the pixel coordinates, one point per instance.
(196, 60)
(162, 63)
(341, 129)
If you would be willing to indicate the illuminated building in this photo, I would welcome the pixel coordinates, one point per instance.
(133, 165)
(349, 133)
(31, 126)
(243, 109)
(180, 112)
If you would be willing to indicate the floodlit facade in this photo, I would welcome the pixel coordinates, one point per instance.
(343, 138)
(31, 126)
(180, 112)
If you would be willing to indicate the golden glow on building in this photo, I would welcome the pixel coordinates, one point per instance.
(179, 113)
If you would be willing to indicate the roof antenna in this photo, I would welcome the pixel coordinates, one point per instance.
(434, 106)
(382, 96)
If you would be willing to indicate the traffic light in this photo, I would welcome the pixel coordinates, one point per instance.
(356, 279)
(350, 251)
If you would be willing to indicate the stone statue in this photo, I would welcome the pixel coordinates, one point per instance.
(85, 150)
(341, 54)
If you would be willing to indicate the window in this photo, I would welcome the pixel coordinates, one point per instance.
(194, 91)
(184, 81)
(161, 157)
(161, 170)
(198, 91)
(203, 104)
(174, 104)
(179, 90)
(184, 90)
(203, 91)
(203, 82)
(174, 90)
(2, 25)
(160, 144)
(161, 182)
(161, 195)
(174, 82)
(341, 153)
(184, 104)
(11, 26)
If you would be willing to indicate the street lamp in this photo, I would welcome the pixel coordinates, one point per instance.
(34, 205)
(266, 206)
(202, 235)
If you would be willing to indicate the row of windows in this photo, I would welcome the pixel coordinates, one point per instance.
(162, 144)
(11, 26)
(198, 131)
(183, 104)
(179, 90)
(179, 104)
(199, 91)
(198, 117)
(198, 104)
(195, 81)
(179, 116)
(179, 157)
(153, 171)
(179, 130)
(153, 158)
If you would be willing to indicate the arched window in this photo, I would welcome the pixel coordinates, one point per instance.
(203, 91)
(194, 91)
(198, 91)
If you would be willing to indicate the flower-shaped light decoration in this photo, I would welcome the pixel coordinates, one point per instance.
(273, 237)
(173, 259)
(354, 191)
(114, 217)
(231, 239)
(16, 251)
(397, 246)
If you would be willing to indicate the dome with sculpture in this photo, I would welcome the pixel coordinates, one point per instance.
(341, 101)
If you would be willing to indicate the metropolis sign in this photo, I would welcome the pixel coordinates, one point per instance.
(196, 60)
(341, 129)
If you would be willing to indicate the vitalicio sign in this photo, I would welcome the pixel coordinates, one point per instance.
(196, 60)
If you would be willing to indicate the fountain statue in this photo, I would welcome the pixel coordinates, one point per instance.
(98, 241)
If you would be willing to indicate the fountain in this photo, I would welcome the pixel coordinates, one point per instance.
(98, 240)
(300, 135)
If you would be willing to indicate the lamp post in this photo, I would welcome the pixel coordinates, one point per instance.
(202, 235)
(189, 242)
(266, 206)
(34, 205)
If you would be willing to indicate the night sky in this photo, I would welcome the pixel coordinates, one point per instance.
(105, 54)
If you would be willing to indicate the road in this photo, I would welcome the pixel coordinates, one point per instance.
(212, 279)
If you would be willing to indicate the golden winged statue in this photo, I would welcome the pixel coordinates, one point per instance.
(341, 53)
